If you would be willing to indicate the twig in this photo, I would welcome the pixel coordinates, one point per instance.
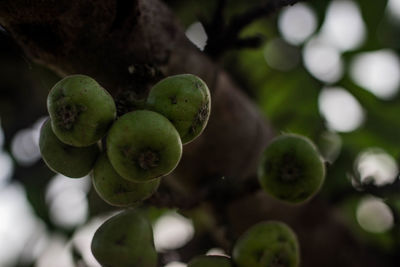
(222, 38)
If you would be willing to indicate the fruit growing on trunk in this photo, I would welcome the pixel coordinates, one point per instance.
(116, 190)
(143, 145)
(291, 169)
(267, 244)
(81, 111)
(70, 161)
(185, 100)
(125, 240)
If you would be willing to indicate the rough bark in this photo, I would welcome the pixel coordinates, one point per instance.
(108, 39)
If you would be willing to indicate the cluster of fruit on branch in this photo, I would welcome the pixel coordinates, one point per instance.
(127, 157)
(139, 147)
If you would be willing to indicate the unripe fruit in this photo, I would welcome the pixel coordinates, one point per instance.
(291, 169)
(267, 244)
(185, 100)
(81, 110)
(125, 240)
(70, 161)
(143, 145)
(117, 191)
(210, 261)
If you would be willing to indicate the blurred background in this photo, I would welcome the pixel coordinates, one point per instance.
(327, 69)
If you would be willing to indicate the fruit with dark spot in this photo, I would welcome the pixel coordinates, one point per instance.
(291, 169)
(116, 190)
(70, 161)
(267, 244)
(210, 261)
(81, 111)
(143, 145)
(185, 100)
(125, 240)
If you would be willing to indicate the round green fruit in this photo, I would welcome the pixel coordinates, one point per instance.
(125, 240)
(70, 161)
(116, 190)
(185, 100)
(210, 261)
(81, 111)
(291, 169)
(143, 145)
(267, 244)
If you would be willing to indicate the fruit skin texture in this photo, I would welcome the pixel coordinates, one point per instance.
(267, 244)
(80, 109)
(117, 191)
(291, 169)
(210, 261)
(70, 161)
(125, 240)
(185, 100)
(143, 145)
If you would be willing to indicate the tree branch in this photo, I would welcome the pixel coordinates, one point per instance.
(222, 37)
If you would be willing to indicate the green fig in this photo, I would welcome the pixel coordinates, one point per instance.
(81, 111)
(70, 161)
(125, 240)
(117, 191)
(143, 145)
(267, 244)
(291, 169)
(210, 261)
(185, 100)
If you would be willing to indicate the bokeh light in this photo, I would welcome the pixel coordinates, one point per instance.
(175, 264)
(25, 144)
(341, 110)
(323, 60)
(172, 231)
(67, 200)
(377, 166)
(197, 35)
(297, 23)
(217, 252)
(393, 8)
(6, 168)
(35, 245)
(82, 238)
(378, 72)
(343, 27)
(281, 55)
(330, 145)
(374, 215)
(17, 223)
(57, 253)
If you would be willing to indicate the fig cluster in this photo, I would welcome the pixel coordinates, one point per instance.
(126, 239)
(128, 154)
